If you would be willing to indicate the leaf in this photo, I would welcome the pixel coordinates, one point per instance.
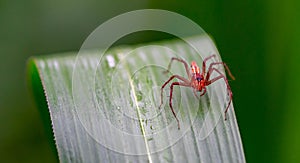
(108, 111)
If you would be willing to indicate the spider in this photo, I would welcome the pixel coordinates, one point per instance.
(197, 80)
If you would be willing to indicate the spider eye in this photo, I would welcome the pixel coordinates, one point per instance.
(199, 78)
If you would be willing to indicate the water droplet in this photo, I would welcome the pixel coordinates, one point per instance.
(143, 110)
(139, 95)
(149, 81)
(151, 127)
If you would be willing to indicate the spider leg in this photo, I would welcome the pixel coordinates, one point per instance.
(204, 62)
(204, 91)
(170, 99)
(217, 63)
(179, 60)
(226, 82)
(163, 86)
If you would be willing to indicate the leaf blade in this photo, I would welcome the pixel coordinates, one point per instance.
(82, 136)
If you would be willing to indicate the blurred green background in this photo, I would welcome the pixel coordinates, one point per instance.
(260, 41)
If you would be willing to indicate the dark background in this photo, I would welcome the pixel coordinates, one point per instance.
(260, 41)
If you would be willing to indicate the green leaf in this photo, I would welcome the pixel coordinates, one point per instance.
(108, 111)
